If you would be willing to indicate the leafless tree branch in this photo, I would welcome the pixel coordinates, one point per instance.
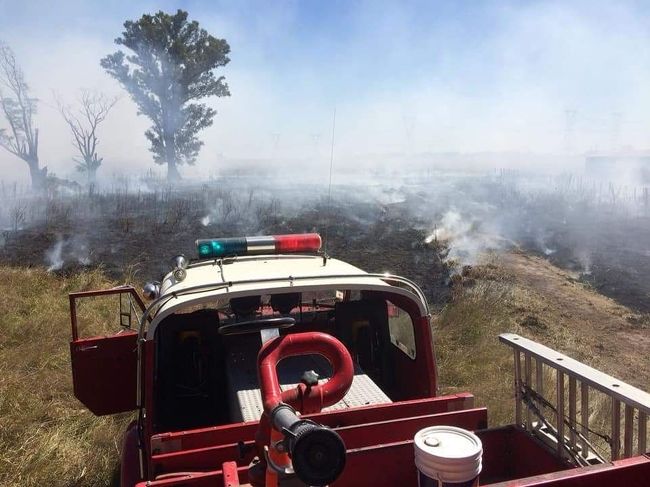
(83, 123)
(19, 109)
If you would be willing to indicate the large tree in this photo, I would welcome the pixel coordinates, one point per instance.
(171, 66)
(83, 123)
(19, 109)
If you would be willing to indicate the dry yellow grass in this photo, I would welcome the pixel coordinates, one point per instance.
(46, 435)
(526, 295)
(48, 438)
(469, 356)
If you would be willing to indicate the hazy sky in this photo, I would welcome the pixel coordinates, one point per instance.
(403, 76)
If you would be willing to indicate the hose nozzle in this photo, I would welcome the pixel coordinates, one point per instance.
(316, 451)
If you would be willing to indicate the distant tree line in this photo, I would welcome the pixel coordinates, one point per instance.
(169, 68)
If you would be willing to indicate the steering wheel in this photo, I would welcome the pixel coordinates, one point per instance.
(253, 326)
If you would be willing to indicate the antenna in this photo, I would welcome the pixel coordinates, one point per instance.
(329, 188)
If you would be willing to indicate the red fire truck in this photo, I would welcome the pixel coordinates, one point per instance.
(265, 362)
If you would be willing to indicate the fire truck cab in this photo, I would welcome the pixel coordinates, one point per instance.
(266, 362)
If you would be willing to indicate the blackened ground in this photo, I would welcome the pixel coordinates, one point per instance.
(137, 239)
(611, 254)
(390, 242)
(136, 234)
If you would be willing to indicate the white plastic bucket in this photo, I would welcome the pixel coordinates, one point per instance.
(446, 456)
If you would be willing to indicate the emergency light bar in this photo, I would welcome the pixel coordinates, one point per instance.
(270, 244)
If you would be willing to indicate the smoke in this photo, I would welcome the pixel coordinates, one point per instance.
(465, 237)
(547, 251)
(430, 98)
(484, 81)
(70, 251)
(54, 256)
(585, 259)
(563, 218)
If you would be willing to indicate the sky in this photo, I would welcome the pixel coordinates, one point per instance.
(402, 77)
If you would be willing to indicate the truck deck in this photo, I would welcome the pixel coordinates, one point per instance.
(243, 388)
(271, 370)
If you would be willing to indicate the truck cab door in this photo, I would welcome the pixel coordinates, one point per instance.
(104, 368)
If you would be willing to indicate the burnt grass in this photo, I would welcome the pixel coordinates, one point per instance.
(609, 253)
(134, 236)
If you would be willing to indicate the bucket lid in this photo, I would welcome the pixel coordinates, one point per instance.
(448, 453)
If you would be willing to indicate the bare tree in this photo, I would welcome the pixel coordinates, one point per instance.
(19, 108)
(93, 110)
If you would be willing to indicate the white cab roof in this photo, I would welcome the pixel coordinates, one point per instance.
(263, 274)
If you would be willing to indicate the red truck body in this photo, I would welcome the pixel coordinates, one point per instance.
(214, 374)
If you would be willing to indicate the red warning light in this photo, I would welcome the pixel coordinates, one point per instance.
(303, 242)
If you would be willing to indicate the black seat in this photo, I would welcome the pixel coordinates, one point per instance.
(363, 327)
(189, 371)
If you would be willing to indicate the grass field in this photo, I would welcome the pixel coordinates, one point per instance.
(487, 302)
(526, 295)
(48, 438)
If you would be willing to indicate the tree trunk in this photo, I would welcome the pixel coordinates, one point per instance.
(91, 175)
(172, 172)
(170, 154)
(38, 176)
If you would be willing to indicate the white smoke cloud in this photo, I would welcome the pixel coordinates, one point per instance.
(70, 250)
(465, 236)
(54, 256)
(498, 78)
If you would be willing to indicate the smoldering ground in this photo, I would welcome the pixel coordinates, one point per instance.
(534, 89)
(426, 227)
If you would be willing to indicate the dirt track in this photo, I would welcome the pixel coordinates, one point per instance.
(611, 336)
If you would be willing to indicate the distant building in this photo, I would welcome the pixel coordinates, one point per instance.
(634, 166)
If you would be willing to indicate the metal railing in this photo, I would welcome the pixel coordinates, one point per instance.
(578, 445)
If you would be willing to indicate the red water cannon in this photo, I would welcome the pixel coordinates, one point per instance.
(315, 452)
